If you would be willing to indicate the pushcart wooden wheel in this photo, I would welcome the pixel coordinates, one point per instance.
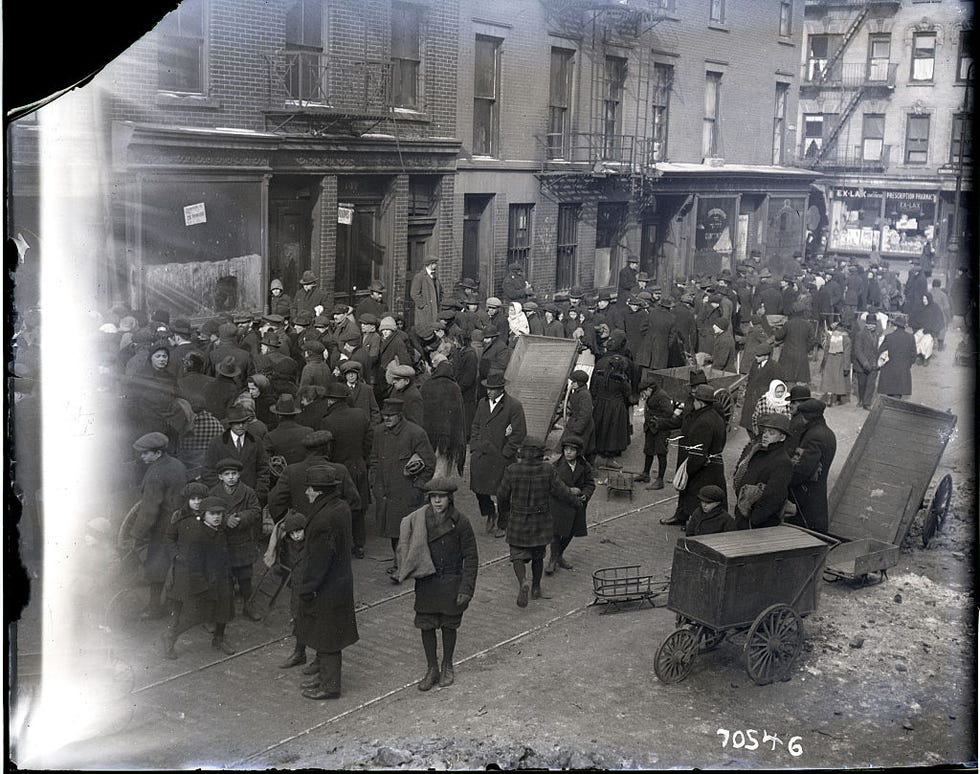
(675, 656)
(708, 638)
(938, 511)
(773, 643)
(725, 403)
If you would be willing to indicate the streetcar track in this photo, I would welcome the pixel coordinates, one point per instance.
(376, 603)
(387, 694)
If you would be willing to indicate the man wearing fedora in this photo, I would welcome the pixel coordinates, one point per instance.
(426, 292)
(514, 286)
(236, 442)
(812, 457)
(762, 476)
(309, 296)
(496, 353)
(160, 495)
(896, 355)
(627, 282)
(227, 385)
(325, 583)
(401, 461)
(373, 303)
(227, 346)
(286, 440)
(498, 430)
(352, 436)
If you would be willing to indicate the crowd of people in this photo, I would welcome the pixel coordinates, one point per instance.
(279, 433)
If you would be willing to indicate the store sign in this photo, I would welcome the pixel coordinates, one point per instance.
(861, 193)
(345, 215)
(194, 213)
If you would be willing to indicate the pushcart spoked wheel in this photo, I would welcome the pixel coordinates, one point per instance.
(938, 510)
(675, 656)
(773, 644)
(725, 403)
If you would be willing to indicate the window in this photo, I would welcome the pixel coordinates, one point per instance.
(820, 50)
(180, 51)
(786, 18)
(961, 140)
(560, 103)
(519, 236)
(964, 60)
(812, 135)
(779, 123)
(879, 53)
(566, 266)
(923, 55)
(406, 54)
(612, 116)
(304, 50)
(486, 77)
(917, 140)
(663, 80)
(716, 11)
(872, 136)
(712, 96)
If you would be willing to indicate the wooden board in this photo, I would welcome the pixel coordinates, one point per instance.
(205, 288)
(888, 470)
(537, 375)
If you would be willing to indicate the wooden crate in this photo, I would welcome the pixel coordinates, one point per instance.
(888, 470)
(725, 580)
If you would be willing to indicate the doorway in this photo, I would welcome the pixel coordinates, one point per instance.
(291, 206)
(477, 242)
(360, 251)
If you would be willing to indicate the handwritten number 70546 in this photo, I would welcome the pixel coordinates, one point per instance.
(749, 740)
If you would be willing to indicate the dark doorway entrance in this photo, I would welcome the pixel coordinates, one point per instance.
(476, 241)
(291, 202)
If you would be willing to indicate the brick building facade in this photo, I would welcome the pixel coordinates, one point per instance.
(885, 110)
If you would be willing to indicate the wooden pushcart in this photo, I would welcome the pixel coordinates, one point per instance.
(676, 382)
(757, 583)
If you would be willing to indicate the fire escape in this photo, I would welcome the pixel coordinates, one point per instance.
(852, 83)
(598, 147)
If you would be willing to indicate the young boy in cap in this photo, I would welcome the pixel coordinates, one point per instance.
(524, 499)
(202, 581)
(242, 518)
(285, 555)
(710, 516)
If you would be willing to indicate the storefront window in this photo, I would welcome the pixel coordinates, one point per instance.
(910, 217)
(715, 236)
(855, 220)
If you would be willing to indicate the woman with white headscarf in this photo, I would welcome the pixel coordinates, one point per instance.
(775, 400)
(517, 321)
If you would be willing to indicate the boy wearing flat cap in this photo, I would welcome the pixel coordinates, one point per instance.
(711, 515)
(242, 518)
(160, 496)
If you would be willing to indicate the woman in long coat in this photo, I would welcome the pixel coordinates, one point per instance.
(569, 520)
(441, 598)
(443, 417)
(612, 395)
(895, 376)
(325, 582)
(835, 368)
(201, 588)
(794, 356)
(578, 412)
(152, 390)
(658, 414)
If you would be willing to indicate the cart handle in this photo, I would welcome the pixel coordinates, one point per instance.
(831, 544)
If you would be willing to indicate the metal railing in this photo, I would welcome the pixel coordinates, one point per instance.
(818, 4)
(854, 157)
(848, 74)
(343, 85)
(612, 152)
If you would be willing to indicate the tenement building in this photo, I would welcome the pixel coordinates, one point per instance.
(885, 103)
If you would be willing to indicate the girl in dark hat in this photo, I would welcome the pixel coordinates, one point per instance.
(442, 596)
(612, 395)
(569, 520)
(201, 587)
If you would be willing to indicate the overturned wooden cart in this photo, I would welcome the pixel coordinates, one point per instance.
(537, 375)
(882, 486)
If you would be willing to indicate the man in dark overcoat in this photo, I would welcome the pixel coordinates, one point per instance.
(524, 497)
(661, 332)
(352, 437)
(309, 296)
(797, 337)
(658, 419)
(686, 323)
(700, 445)
(286, 439)
(401, 461)
(236, 442)
(864, 358)
(498, 430)
(466, 365)
(325, 582)
(496, 353)
(442, 417)
(426, 292)
(812, 457)
(762, 371)
(160, 496)
(766, 465)
(227, 346)
(895, 376)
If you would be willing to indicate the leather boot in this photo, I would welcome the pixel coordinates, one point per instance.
(536, 593)
(562, 563)
(430, 679)
(220, 643)
(313, 682)
(296, 658)
(320, 693)
(448, 676)
(657, 484)
(313, 668)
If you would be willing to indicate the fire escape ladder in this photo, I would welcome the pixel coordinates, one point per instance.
(844, 117)
(848, 37)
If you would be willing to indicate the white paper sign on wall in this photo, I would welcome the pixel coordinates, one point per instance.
(194, 213)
